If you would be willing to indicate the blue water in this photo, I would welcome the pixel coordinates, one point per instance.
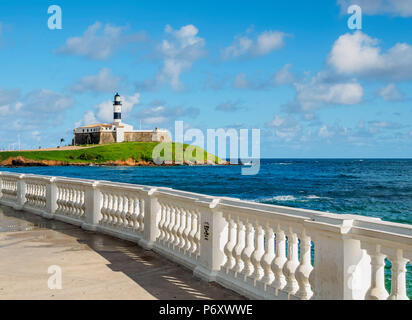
(378, 188)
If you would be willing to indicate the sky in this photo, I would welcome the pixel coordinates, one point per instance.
(293, 69)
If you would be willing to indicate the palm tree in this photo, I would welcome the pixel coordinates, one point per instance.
(61, 140)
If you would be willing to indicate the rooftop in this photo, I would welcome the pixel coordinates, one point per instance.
(97, 125)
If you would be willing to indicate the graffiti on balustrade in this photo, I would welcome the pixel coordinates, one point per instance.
(206, 231)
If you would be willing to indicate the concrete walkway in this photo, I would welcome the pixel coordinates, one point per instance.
(94, 266)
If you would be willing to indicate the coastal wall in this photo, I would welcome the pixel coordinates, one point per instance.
(110, 137)
(149, 136)
(107, 137)
(87, 138)
(138, 136)
(316, 255)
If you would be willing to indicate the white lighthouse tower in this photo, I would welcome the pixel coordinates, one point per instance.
(117, 110)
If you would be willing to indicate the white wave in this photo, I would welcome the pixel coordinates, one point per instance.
(284, 198)
(312, 196)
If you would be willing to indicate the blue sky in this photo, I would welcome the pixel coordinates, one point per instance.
(294, 69)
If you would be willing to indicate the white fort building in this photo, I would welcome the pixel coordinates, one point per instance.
(117, 131)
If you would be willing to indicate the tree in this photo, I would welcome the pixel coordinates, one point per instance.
(61, 140)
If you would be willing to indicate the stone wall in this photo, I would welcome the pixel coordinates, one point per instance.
(138, 136)
(94, 138)
(110, 137)
(107, 137)
(147, 136)
(87, 138)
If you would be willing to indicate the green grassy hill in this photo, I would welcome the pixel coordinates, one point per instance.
(137, 151)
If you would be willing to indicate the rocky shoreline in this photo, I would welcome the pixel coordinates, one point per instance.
(20, 161)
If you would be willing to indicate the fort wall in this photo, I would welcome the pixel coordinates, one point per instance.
(110, 137)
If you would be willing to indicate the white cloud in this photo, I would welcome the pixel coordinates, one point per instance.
(8, 96)
(269, 41)
(179, 52)
(276, 122)
(390, 93)
(46, 101)
(321, 90)
(324, 132)
(284, 128)
(228, 106)
(88, 118)
(104, 81)
(401, 8)
(263, 44)
(359, 54)
(37, 109)
(161, 114)
(240, 81)
(315, 95)
(97, 45)
(284, 76)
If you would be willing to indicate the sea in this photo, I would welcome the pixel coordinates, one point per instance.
(371, 187)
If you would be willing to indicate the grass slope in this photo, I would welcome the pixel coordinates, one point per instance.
(138, 151)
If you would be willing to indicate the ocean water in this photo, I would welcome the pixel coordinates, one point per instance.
(378, 188)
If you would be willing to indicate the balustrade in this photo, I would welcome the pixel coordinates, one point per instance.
(122, 210)
(261, 251)
(179, 229)
(70, 200)
(36, 194)
(9, 188)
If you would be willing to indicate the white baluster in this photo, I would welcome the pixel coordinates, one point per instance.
(161, 222)
(83, 202)
(247, 251)
(230, 244)
(377, 290)
(197, 236)
(104, 208)
(176, 226)
(182, 227)
(291, 265)
(258, 252)
(268, 257)
(125, 206)
(193, 232)
(280, 260)
(119, 211)
(141, 215)
(173, 217)
(76, 202)
(398, 284)
(128, 211)
(110, 209)
(186, 232)
(305, 268)
(167, 224)
(240, 244)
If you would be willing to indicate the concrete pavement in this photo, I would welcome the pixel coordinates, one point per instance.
(94, 266)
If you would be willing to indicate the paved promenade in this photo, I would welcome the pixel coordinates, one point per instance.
(94, 266)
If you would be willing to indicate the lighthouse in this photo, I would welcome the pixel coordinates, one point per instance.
(117, 131)
(117, 110)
